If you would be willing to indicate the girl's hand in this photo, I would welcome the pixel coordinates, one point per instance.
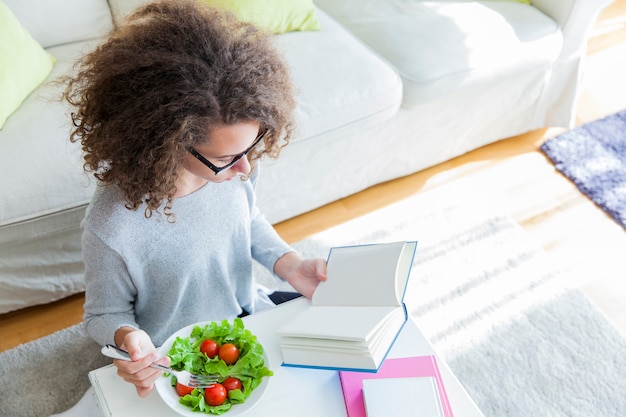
(303, 275)
(142, 353)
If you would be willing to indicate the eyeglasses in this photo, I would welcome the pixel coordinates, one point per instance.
(233, 161)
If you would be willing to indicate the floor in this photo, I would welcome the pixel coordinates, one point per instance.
(588, 245)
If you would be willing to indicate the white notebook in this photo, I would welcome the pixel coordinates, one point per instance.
(402, 397)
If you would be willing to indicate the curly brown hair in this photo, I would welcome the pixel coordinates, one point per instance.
(158, 84)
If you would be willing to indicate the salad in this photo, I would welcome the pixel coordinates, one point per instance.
(229, 350)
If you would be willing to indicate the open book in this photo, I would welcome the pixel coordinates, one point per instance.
(356, 314)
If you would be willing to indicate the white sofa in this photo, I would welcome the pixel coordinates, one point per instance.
(386, 88)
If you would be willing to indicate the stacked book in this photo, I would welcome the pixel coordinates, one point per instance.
(402, 387)
(350, 325)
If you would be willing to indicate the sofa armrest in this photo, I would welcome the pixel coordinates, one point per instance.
(576, 17)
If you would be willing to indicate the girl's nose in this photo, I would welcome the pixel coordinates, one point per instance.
(242, 166)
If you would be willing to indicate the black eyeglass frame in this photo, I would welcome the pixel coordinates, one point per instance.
(236, 158)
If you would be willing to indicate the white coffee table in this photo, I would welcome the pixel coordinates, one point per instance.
(291, 391)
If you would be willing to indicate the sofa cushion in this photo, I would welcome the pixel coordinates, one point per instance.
(23, 63)
(340, 82)
(56, 22)
(440, 48)
(41, 169)
(277, 16)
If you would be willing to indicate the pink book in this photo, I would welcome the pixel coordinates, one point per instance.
(352, 382)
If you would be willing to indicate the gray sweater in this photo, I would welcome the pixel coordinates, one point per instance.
(161, 276)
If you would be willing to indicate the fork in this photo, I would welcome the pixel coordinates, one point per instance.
(183, 377)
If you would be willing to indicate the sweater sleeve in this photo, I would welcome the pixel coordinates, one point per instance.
(109, 291)
(267, 245)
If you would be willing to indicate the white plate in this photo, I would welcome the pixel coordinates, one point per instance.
(168, 393)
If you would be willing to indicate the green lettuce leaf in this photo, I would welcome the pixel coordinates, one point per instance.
(250, 368)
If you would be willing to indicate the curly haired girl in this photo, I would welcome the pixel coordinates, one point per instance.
(169, 110)
(161, 83)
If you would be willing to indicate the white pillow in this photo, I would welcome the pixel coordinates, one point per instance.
(57, 22)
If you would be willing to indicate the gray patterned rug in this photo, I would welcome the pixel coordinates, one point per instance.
(593, 156)
(520, 341)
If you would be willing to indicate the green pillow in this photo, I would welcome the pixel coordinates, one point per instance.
(520, 1)
(277, 16)
(24, 64)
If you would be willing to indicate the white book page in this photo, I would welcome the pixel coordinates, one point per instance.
(364, 275)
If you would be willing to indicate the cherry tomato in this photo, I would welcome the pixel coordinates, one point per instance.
(210, 348)
(215, 395)
(229, 353)
(183, 390)
(231, 383)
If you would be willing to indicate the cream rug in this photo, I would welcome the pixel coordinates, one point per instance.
(520, 341)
